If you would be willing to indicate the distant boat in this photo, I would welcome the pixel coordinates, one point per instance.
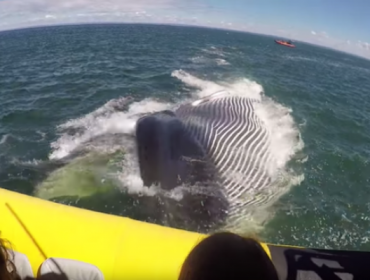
(285, 43)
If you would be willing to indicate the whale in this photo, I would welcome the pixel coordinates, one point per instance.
(217, 142)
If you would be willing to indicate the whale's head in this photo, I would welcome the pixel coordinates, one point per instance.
(168, 154)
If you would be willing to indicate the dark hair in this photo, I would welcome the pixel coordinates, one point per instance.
(7, 268)
(227, 255)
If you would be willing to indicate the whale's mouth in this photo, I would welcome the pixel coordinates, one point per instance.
(168, 155)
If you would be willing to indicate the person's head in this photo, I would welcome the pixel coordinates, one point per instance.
(7, 267)
(228, 256)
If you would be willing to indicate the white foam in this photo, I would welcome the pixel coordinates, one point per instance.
(4, 139)
(221, 61)
(42, 135)
(285, 138)
(240, 87)
(205, 87)
(198, 59)
(214, 51)
(33, 162)
(301, 58)
(204, 60)
(104, 120)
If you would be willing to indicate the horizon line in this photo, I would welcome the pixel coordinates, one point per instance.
(180, 25)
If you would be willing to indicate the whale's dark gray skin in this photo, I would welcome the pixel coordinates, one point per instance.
(168, 155)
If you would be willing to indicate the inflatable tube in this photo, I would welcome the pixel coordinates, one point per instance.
(123, 248)
(120, 247)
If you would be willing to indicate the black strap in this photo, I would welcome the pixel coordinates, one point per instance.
(307, 264)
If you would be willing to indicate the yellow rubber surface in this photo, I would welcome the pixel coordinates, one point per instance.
(120, 247)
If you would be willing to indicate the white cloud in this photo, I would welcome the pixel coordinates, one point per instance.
(89, 6)
(23, 13)
(50, 16)
(323, 34)
(366, 46)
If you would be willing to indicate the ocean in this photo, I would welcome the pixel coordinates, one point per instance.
(64, 119)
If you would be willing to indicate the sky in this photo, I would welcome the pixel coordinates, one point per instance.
(338, 24)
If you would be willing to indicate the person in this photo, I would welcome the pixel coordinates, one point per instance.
(226, 255)
(16, 266)
(8, 270)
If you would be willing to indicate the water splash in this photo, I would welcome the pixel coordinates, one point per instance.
(116, 120)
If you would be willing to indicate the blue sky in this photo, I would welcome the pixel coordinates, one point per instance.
(344, 25)
(340, 24)
(341, 18)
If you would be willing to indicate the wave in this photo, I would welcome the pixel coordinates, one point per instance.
(215, 51)
(221, 61)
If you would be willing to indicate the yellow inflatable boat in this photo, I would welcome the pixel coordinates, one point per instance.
(123, 248)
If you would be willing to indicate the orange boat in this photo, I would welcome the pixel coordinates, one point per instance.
(285, 43)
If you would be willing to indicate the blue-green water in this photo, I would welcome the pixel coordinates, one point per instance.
(55, 84)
